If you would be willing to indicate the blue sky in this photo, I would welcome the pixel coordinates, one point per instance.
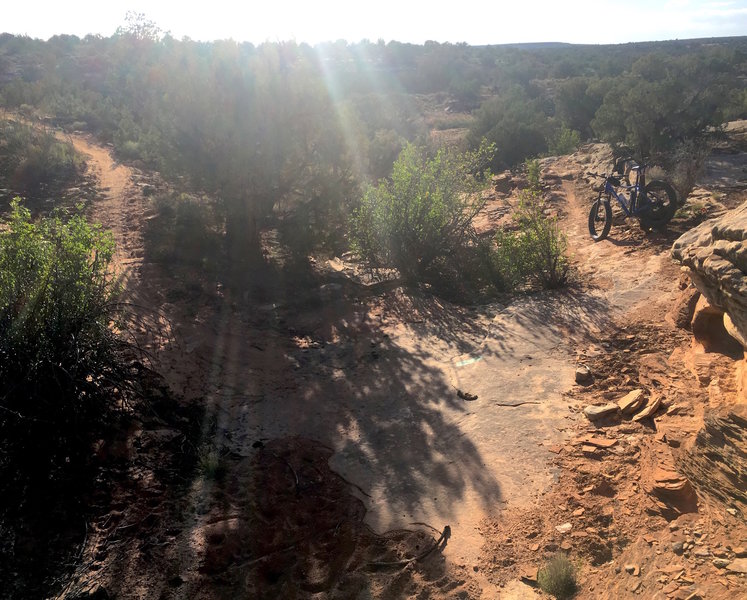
(471, 21)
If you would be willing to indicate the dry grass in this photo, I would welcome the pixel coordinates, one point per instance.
(558, 577)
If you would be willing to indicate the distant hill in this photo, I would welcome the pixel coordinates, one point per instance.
(537, 45)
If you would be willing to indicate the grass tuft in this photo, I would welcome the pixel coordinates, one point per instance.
(558, 577)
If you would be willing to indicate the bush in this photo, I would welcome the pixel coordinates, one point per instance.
(686, 165)
(516, 123)
(35, 157)
(185, 232)
(56, 343)
(424, 213)
(536, 251)
(533, 174)
(558, 577)
(564, 141)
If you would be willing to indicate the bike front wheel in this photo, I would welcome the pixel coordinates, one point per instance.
(600, 219)
(658, 206)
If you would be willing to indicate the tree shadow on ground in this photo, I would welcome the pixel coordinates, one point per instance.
(551, 320)
(291, 357)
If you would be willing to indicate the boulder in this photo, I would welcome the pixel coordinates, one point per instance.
(716, 255)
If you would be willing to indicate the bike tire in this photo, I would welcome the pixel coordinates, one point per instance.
(661, 204)
(600, 213)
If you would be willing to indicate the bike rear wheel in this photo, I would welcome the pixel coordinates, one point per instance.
(658, 205)
(600, 219)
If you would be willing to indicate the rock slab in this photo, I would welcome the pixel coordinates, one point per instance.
(631, 402)
(738, 566)
(598, 412)
(716, 254)
(717, 462)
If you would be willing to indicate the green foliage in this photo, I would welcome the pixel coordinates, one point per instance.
(55, 310)
(184, 232)
(737, 106)
(383, 150)
(577, 101)
(535, 252)
(662, 102)
(533, 174)
(558, 577)
(564, 141)
(466, 92)
(33, 157)
(425, 212)
(285, 132)
(452, 121)
(517, 124)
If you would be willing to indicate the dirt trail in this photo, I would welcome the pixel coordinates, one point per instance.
(632, 271)
(405, 436)
(376, 380)
(120, 208)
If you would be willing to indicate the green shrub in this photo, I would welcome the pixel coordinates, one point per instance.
(515, 122)
(533, 174)
(56, 343)
(536, 251)
(184, 232)
(33, 157)
(424, 213)
(558, 577)
(564, 141)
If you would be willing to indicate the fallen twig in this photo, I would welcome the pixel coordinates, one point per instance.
(445, 535)
(516, 403)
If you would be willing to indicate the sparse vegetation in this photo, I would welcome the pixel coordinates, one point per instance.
(277, 161)
(180, 218)
(325, 122)
(535, 251)
(558, 577)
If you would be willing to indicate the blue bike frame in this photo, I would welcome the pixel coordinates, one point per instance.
(632, 208)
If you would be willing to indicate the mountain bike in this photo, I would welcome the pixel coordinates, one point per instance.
(653, 203)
